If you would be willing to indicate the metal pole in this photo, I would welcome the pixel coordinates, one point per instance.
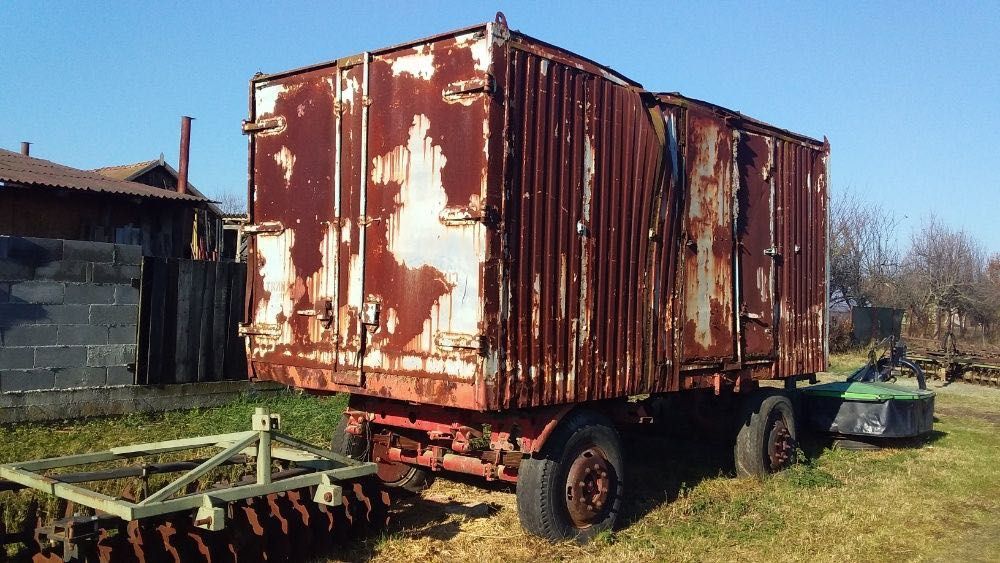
(264, 448)
(182, 171)
(25, 148)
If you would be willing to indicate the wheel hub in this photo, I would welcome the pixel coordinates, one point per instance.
(780, 445)
(590, 487)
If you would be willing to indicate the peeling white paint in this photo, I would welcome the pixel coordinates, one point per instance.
(277, 275)
(481, 53)
(286, 160)
(417, 238)
(266, 98)
(419, 64)
(391, 320)
(350, 93)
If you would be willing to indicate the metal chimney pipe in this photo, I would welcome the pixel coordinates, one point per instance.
(182, 170)
(25, 148)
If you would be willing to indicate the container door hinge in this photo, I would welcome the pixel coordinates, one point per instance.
(266, 124)
(463, 89)
(459, 341)
(265, 228)
(455, 216)
(273, 331)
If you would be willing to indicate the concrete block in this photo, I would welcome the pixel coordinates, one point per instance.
(18, 357)
(110, 355)
(26, 380)
(115, 273)
(71, 378)
(63, 314)
(28, 335)
(123, 334)
(60, 356)
(64, 270)
(13, 271)
(16, 314)
(41, 292)
(120, 375)
(89, 294)
(114, 314)
(88, 251)
(82, 334)
(128, 254)
(4, 292)
(126, 295)
(34, 251)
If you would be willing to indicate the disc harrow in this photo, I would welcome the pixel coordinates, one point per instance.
(946, 361)
(315, 502)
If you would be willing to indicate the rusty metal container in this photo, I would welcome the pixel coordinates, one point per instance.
(485, 221)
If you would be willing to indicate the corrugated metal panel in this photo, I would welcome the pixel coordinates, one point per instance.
(801, 216)
(544, 265)
(577, 213)
(30, 171)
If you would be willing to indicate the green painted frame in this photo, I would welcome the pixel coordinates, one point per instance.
(328, 470)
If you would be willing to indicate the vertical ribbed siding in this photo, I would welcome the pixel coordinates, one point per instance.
(801, 223)
(576, 215)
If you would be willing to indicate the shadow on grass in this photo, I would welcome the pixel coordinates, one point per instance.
(660, 467)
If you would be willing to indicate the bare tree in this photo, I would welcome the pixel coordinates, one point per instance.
(863, 255)
(233, 203)
(942, 273)
(986, 298)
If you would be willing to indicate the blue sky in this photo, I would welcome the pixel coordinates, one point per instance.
(907, 92)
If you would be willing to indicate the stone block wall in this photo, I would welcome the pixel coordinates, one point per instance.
(68, 313)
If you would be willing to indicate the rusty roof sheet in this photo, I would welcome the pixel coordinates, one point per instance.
(17, 168)
(132, 171)
(745, 120)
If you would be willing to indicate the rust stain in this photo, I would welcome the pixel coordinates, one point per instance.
(492, 222)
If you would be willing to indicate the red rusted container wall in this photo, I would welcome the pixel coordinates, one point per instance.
(485, 221)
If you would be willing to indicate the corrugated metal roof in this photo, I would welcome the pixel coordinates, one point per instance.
(20, 169)
(132, 171)
(127, 171)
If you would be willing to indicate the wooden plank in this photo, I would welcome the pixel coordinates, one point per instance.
(142, 339)
(182, 352)
(195, 315)
(157, 355)
(220, 319)
(207, 343)
(236, 354)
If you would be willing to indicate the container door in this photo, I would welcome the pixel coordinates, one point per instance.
(756, 245)
(294, 232)
(708, 323)
(416, 281)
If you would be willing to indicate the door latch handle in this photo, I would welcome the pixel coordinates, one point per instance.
(323, 312)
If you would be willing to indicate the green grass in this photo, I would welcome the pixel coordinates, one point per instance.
(936, 502)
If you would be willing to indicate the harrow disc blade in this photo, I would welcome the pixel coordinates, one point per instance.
(285, 526)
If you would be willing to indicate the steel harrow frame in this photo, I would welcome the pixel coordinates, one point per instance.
(316, 498)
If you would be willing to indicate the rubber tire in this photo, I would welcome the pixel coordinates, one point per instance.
(750, 448)
(354, 447)
(541, 481)
(855, 445)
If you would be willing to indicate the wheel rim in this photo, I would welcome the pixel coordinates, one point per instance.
(393, 473)
(780, 445)
(591, 486)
